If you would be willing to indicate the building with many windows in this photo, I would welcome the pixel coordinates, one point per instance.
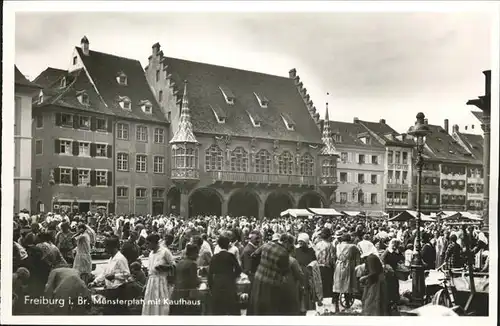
(100, 137)
(398, 166)
(360, 169)
(24, 91)
(242, 142)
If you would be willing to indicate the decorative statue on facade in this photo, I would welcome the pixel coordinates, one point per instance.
(276, 146)
(253, 148)
(227, 143)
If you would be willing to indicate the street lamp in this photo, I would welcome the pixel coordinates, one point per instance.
(419, 131)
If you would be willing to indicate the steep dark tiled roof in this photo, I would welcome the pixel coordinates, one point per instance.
(384, 131)
(349, 134)
(478, 115)
(441, 146)
(76, 82)
(21, 80)
(204, 93)
(103, 68)
(473, 143)
(49, 76)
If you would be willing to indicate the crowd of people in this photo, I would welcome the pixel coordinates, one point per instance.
(291, 264)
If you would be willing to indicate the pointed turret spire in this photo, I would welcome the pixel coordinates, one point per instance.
(328, 143)
(184, 133)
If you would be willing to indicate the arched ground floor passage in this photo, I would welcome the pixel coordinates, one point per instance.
(277, 202)
(239, 202)
(243, 203)
(311, 200)
(204, 201)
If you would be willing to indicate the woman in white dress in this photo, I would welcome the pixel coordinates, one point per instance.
(83, 260)
(158, 290)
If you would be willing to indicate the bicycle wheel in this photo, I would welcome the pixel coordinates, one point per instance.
(442, 298)
(346, 300)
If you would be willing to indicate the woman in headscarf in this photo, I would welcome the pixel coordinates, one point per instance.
(393, 257)
(83, 260)
(305, 255)
(161, 265)
(344, 278)
(374, 300)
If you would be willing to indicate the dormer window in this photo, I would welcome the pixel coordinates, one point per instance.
(365, 140)
(289, 123)
(337, 138)
(228, 95)
(82, 97)
(124, 103)
(263, 101)
(256, 120)
(63, 82)
(121, 79)
(146, 107)
(220, 115)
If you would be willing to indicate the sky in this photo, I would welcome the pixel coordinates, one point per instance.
(374, 65)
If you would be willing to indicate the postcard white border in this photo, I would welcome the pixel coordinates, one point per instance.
(10, 7)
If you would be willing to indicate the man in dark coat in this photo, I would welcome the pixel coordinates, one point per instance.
(269, 285)
(428, 252)
(246, 255)
(130, 248)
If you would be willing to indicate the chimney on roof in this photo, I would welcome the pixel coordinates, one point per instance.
(355, 120)
(446, 125)
(85, 45)
(292, 73)
(382, 121)
(455, 128)
(156, 48)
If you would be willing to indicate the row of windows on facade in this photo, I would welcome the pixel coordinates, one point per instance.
(433, 199)
(140, 192)
(359, 197)
(239, 161)
(396, 198)
(397, 157)
(397, 177)
(347, 157)
(104, 125)
(472, 172)
(77, 148)
(78, 177)
(141, 163)
(346, 177)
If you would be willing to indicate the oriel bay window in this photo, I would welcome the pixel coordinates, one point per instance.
(285, 163)
(213, 158)
(328, 168)
(185, 158)
(307, 165)
(263, 161)
(239, 160)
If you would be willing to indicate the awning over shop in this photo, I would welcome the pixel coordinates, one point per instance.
(297, 212)
(454, 216)
(410, 215)
(376, 214)
(352, 213)
(324, 211)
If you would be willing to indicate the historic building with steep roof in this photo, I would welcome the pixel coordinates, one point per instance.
(360, 168)
(101, 138)
(242, 142)
(24, 92)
